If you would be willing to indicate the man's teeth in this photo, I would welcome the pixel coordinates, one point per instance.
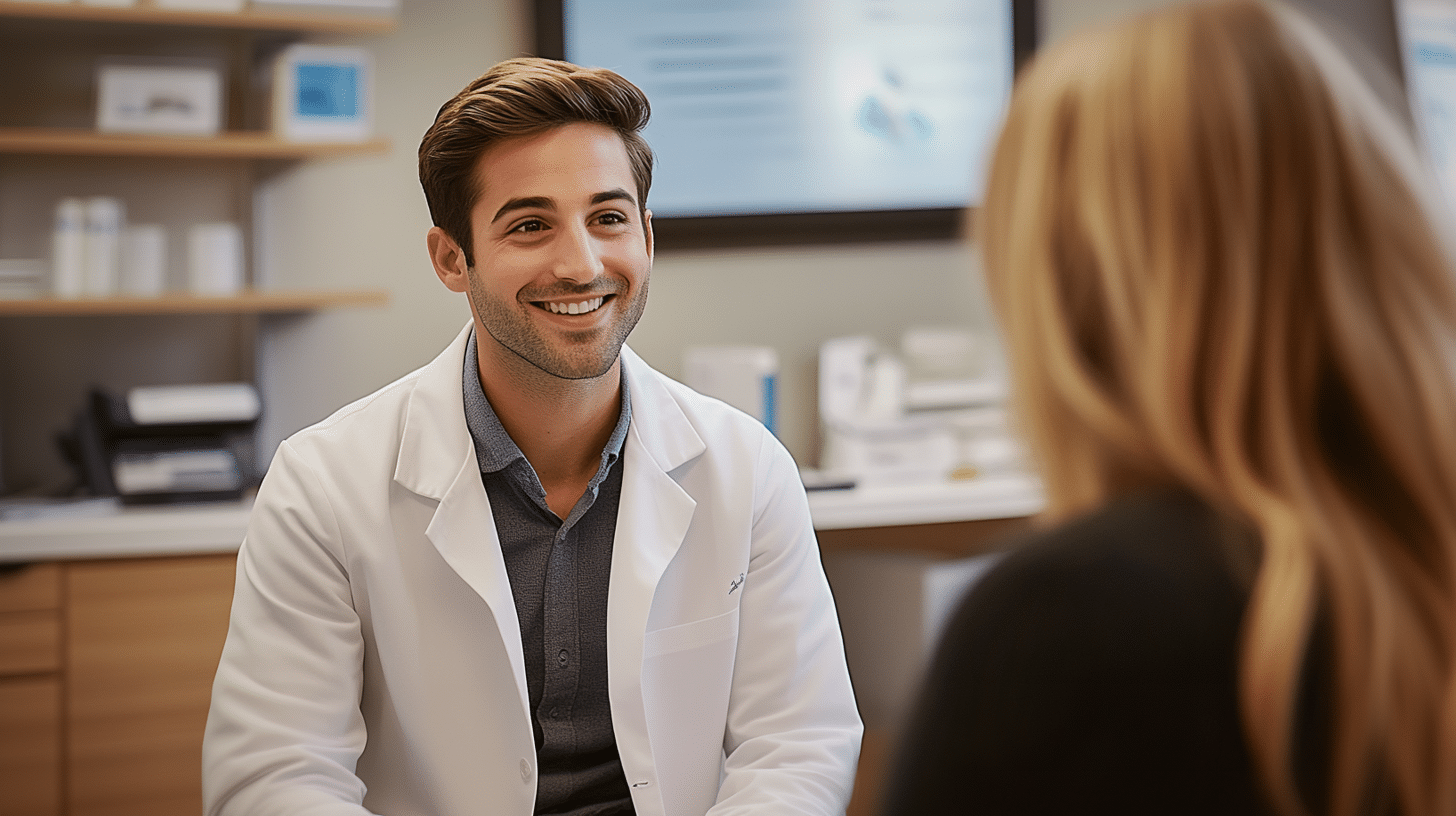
(575, 308)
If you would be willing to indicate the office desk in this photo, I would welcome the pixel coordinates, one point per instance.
(946, 519)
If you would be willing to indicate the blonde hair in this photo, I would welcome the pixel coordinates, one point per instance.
(1217, 266)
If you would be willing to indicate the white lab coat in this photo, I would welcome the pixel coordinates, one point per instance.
(373, 662)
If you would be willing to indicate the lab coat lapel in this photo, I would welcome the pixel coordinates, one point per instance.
(652, 520)
(437, 461)
(463, 531)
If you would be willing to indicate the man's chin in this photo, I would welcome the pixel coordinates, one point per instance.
(579, 375)
(577, 369)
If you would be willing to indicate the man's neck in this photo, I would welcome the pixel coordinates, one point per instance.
(561, 426)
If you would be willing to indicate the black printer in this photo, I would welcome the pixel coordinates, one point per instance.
(167, 443)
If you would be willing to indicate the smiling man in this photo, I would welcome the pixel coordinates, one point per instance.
(534, 576)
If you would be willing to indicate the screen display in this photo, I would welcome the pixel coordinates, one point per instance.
(1428, 37)
(807, 106)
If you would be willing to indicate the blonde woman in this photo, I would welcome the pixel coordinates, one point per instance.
(1229, 307)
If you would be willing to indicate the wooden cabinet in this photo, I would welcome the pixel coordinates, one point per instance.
(120, 675)
(30, 690)
(30, 746)
(143, 638)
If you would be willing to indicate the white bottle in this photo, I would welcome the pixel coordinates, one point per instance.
(104, 217)
(215, 259)
(68, 249)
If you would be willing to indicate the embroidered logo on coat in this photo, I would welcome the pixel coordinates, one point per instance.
(736, 584)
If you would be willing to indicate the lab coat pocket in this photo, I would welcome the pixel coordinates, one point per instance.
(686, 679)
(691, 635)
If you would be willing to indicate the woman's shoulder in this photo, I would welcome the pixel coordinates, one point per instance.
(1093, 670)
(1157, 542)
(1148, 578)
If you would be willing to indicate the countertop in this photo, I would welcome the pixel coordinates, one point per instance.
(132, 531)
(219, 527)
(887, 505)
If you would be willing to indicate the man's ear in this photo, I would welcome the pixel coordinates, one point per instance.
(448, 259)
(647, 228)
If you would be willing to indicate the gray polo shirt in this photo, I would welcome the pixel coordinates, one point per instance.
(559, 572)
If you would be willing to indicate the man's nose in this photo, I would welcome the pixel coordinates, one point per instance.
(579, 256)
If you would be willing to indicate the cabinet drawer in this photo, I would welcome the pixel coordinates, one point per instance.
(30, 642)
(143, 639)
(30, 587)
(30, 747)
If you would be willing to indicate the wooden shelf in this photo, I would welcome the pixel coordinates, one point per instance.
(231, 145)
(253, 302)
(248, 18)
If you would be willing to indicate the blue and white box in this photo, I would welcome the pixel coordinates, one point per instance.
(323, 93)
(745, 377)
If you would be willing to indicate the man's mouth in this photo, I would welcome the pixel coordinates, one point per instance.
(573, 308)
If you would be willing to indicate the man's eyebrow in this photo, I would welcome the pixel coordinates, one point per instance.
(547, 203)
(617, 194)
(530, 202)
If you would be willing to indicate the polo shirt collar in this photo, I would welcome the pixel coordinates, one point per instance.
(494, 448)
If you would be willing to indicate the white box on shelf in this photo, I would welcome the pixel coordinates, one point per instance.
(341, 5)
(323, 93)
(200, 5)
(360, 8)
(743, 376)
(22, 278)
(163, 97)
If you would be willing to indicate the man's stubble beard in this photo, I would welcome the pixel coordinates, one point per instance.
(512, 328)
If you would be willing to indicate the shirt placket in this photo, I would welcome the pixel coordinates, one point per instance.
(562, 644)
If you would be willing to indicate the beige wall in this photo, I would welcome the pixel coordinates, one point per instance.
(361, 222)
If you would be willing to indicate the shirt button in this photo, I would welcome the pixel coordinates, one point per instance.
(555, 712)
(525, 771)
(561, 658)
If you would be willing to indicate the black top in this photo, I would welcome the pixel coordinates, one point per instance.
(559, 571)
(1093, 671)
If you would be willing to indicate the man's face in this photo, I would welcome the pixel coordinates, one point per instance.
(562, 251)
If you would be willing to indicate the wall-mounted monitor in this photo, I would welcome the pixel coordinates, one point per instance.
(802, 121)
(1428, 35)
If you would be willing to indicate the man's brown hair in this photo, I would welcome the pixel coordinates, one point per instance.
(523, 97)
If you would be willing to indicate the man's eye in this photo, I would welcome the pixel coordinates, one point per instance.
(612, 218)
(529, 226)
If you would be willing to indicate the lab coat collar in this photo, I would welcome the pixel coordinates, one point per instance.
(666, 435)
(435, 443)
